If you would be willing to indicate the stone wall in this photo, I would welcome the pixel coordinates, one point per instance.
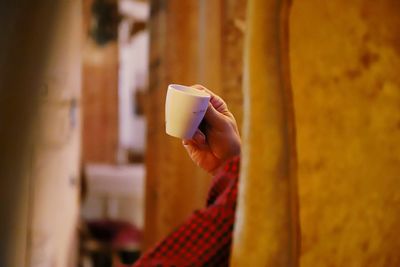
(345, 57)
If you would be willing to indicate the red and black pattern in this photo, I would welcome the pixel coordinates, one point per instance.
(205, 238)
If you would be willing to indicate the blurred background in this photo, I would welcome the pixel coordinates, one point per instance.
(88, 176)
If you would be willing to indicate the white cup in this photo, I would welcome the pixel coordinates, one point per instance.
(185, 107)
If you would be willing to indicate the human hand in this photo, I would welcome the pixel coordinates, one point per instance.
(219, 138)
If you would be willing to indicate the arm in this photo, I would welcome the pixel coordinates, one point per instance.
(205, 238)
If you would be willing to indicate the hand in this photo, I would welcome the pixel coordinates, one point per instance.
(219, 139)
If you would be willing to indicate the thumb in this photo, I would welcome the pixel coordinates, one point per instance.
(213, 117)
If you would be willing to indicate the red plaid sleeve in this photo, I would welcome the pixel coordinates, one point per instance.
(205, 238)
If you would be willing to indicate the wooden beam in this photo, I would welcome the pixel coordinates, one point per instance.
(99, 96)
(175, 186)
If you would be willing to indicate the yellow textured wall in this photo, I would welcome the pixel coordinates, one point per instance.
(345, 60)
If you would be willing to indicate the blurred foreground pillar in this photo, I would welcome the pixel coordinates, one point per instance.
(23, 46)
(39, 87)
(55, 162)
(266, 232)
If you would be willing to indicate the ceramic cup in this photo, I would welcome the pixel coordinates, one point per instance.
(184, 109)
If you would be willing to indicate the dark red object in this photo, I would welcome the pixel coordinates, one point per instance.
(114, 232)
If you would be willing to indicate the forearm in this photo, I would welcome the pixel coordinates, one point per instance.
(205, 238)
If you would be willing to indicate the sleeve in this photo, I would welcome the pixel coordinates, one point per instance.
(205, 238)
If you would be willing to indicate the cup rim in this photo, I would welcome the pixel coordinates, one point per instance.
(187, 90)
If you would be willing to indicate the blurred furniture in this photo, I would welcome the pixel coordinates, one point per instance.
(112, 215)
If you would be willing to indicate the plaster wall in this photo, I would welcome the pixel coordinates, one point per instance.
(345, 61)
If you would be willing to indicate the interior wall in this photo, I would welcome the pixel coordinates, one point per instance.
(345, 57)
(133, 79)
(99, 95)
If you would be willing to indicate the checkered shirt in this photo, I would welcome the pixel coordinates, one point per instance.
(205, 238)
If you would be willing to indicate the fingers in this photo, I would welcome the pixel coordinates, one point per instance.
(213, 117)
(217, 109)
(217, 102)
(198, 140)
(190, 146)
(189, 143)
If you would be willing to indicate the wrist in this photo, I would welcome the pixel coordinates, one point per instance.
(223, 163)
